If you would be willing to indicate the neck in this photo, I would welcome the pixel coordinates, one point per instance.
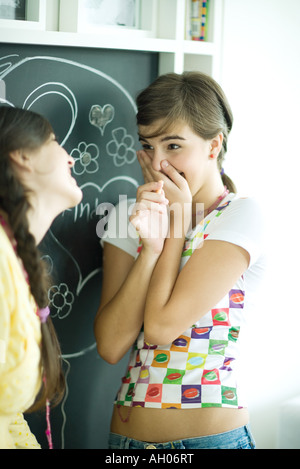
(38, 227)
(40, 218)
(207, 199)
(39, 221)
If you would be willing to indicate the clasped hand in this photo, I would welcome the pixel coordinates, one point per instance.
(163, 188)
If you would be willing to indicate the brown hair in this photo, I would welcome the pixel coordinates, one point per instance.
(193, 97)
(20, 129)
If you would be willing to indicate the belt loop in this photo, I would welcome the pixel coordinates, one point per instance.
(125, 442)
(250, 436)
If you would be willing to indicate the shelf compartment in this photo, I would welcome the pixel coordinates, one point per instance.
(35, 17)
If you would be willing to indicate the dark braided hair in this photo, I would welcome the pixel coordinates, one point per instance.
(25, 130)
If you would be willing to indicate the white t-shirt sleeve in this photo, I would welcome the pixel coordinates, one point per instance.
(119, 231)
(241, 224)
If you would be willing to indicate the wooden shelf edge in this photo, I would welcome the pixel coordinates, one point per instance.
(55, 38)
(91, 40)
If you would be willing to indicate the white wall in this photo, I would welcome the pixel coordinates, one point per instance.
(261, 77)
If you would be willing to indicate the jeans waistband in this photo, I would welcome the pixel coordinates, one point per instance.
(236, 438)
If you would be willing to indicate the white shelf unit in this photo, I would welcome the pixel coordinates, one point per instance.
(35, 14)
(161, 29)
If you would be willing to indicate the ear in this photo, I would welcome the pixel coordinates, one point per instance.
(216, 145)
(21, 160)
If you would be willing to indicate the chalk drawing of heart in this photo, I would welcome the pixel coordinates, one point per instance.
(100, 117)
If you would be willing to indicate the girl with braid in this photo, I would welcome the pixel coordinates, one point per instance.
(35, 186)
(180, 294)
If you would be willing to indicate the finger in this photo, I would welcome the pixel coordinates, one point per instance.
(158, 198)
(152, 191)
(135, 221)
(145, 161)
(153, 175)
(152, 186)
(145, 169)
(173, 174)
(160, 190)
(150, 201)
(143, 157)
(148, 205)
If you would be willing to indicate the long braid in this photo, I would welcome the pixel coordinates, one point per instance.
(14, 202)
(21, 129)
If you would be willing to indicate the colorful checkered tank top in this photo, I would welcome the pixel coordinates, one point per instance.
(198, 368)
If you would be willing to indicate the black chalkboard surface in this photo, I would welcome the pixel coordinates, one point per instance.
(88, 96)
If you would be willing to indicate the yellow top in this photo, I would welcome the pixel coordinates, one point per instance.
(20, 338)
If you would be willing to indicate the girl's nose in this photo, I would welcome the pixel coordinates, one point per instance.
(157, 158)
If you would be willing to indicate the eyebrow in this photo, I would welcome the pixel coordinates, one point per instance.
(164, 139)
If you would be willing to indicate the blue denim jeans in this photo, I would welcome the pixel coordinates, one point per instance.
(239, 438)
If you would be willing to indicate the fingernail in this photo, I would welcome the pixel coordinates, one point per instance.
(164, 164)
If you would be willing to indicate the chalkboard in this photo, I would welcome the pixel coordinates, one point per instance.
(88, 95)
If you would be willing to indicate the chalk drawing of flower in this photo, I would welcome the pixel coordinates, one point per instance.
(85, 157)
(121, 147)
(61, 300)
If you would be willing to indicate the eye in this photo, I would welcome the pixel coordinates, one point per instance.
(147, 147)
(173, 146)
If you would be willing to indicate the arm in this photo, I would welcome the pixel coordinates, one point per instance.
(173, 305)
(124, 289)
(121, 311)
(176, 300)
